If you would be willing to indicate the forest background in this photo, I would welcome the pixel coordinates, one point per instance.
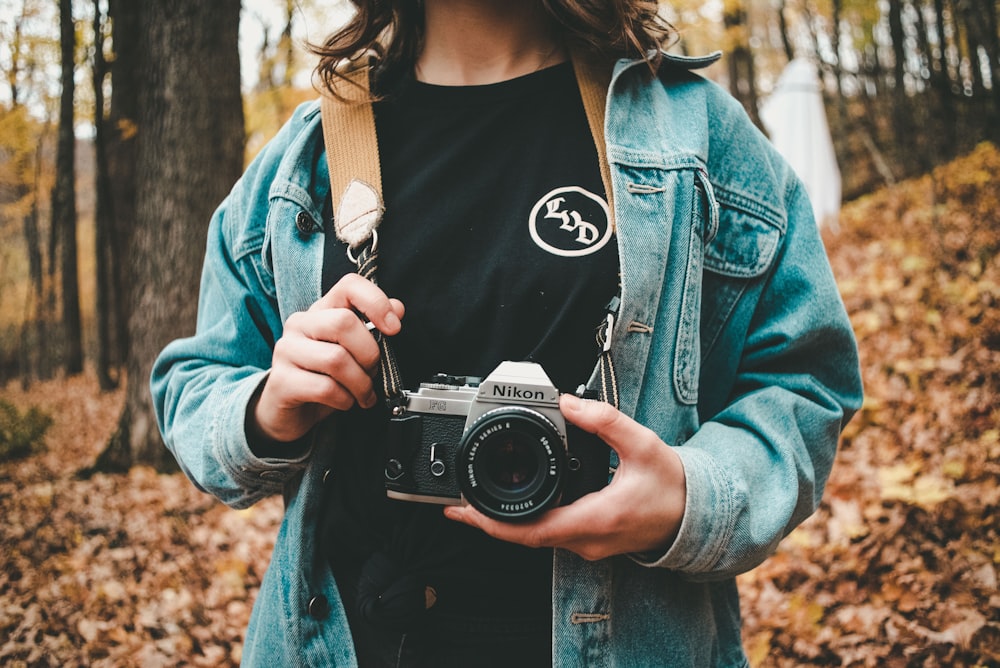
(123, 124)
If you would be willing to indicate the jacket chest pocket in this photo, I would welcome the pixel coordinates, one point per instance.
(730, 247)
(739, 255)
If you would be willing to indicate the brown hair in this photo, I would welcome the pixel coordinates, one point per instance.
(392, 32)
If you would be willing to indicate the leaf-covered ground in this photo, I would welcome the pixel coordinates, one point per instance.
(898, 568)
(118, 570)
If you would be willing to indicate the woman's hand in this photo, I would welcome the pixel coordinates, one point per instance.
(324, 361)
(639, 511)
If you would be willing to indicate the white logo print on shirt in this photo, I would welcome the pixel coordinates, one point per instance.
(570, 222)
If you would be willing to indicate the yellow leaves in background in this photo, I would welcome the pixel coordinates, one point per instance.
(906, 482)
(127, 129)
(19, 146)
(265, 112)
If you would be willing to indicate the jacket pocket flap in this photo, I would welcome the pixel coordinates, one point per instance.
(743, 247)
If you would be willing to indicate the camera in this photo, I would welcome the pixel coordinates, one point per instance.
(499, 443)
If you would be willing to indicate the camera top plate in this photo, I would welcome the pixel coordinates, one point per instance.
(524, 383)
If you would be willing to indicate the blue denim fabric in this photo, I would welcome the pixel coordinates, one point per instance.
(732, 344)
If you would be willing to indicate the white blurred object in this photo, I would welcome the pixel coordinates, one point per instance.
(795, 119)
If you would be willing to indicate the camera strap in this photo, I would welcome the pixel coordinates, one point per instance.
(607, 389)
(356, 188)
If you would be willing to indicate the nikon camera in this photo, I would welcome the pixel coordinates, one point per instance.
(500, 444)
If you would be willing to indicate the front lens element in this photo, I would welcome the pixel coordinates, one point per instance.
(512, 461)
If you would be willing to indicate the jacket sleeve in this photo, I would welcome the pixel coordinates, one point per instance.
(758, 464)
(201, 385)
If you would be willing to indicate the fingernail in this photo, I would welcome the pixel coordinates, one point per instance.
(392, 321)
(570, 402)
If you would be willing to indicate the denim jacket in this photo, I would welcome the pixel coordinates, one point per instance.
(732, 344)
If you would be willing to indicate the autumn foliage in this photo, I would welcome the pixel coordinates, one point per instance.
(898, 568)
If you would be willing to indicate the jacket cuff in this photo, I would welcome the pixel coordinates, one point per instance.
(709, 517)
(233, 451)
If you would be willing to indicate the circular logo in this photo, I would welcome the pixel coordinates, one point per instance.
(570, 222)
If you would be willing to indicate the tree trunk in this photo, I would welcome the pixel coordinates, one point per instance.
(42, 287)
(742, 79)
(898, 38)
(286, 41)
(122, 126)
(35, 365)
(189, 153)
(942, 55)
(838, 69)
(992, 28)
(981, 32)
(900, 107)
(942, 82)
(64, 199)
(928, 117)
(23, 171)
(105, 291)
(32, 315)
(966, 14)
(786, 42)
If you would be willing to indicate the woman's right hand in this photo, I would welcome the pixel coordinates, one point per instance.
(325, 360)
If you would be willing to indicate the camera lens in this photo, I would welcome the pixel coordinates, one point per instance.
(510, 464)
(512, 461)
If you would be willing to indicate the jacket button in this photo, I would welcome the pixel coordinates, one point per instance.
(305, 223)
(326, 476)
(318, 607)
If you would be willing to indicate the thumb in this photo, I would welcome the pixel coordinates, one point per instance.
(397, 308)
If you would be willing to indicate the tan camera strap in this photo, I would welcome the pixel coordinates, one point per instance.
(352, 150)
(593, 78)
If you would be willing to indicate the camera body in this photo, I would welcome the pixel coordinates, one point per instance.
(500, 443)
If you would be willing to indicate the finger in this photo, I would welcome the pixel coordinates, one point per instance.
(563, 526)
(343, 328)
(354, 292)
(595, 526)
(612, 426)
(334, 361)
(397, 308)
(295, 387)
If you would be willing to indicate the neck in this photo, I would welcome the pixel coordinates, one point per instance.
(475, 42)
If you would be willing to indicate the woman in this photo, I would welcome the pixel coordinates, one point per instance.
(736, 366)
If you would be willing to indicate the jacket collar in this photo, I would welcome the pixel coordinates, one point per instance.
(674, 134)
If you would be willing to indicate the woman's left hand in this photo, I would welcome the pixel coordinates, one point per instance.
(639, 511)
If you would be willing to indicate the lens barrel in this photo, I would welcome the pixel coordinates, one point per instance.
(512, 463)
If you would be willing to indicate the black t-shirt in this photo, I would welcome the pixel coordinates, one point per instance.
(496, 238)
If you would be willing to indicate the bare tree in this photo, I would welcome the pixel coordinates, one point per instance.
(120, 150)
(104, 248)
(189, 152)
(64, 198)
(742, 77)
(786, 42)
